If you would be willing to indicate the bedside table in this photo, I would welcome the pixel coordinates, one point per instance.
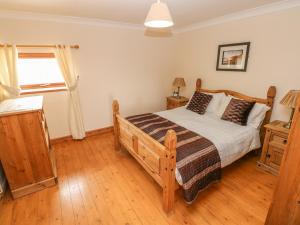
(274, 145)
(174, 102)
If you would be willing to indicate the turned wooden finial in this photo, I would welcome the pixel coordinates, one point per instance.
(271, 92)
(271, 95)
(198, 84)
(115, 107)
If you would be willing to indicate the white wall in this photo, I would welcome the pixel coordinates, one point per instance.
(274, 56)
(138, 69)
(112, 63)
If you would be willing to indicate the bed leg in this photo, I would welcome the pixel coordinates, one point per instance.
(169, 172)
(115, 108)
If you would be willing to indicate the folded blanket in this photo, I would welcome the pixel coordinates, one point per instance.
(197, 158)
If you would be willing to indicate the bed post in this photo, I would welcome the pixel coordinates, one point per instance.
(169, 171)
(270, 97)
(115, 108)
(198, 84)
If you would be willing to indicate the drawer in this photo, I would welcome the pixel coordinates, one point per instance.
(150, 158)
(279, 139)
(171, 104)
(182, 104)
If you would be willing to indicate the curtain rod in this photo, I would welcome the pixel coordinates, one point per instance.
(40, 46)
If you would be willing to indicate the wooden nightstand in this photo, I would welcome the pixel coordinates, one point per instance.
(274, 146)
(174, 102)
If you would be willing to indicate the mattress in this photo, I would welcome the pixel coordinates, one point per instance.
(232, 140)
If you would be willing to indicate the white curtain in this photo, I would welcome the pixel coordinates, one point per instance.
(9, 85)
(64, 58)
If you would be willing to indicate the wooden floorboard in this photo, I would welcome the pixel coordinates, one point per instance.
(98, 186)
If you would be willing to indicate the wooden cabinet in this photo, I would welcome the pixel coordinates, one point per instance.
(274, 146)
(25, 153)
(174, 102)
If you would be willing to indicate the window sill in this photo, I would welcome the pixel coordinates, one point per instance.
(42, 90)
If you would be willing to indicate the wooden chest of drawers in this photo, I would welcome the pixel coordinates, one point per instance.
(25, 153)
(274, 147)
(173, 102)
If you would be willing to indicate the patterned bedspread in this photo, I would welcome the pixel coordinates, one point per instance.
(197, 158)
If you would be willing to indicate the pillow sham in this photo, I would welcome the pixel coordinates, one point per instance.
(223, 105)
(257, 115)
(238, 111)
(215, 103)
(199, 102)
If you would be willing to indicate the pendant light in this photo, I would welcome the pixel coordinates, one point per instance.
(159, 16)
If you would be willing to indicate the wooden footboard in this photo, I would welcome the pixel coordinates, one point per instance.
(157, 159)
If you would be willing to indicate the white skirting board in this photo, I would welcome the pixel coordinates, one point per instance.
(2, 182)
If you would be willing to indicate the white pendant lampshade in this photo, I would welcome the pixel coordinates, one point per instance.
(159, 16)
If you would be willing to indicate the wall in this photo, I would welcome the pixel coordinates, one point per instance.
(274, 55)
(112, 63)
(138, 69)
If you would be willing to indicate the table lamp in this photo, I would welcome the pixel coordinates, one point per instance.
(178, 82)
(290, 100)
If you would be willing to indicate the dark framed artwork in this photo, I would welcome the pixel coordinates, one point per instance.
(233, 57)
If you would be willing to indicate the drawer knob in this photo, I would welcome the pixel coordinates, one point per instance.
(285, 141)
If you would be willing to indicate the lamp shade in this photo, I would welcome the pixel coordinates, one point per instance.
(179, 82)
(159, 16)
(290, 99)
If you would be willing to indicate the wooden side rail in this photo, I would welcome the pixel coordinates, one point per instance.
(157, 159)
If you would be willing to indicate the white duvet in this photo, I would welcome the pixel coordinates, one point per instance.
(232, 140)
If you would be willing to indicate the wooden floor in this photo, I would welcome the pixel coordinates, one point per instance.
(98, 186)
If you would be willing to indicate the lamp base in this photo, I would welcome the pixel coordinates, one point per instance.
(176, 93)
(289, 124)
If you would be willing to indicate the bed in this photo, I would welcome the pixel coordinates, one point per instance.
(158, 156)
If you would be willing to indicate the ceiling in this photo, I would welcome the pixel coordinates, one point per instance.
(184, 12)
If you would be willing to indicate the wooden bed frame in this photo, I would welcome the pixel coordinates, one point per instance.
(160, 160)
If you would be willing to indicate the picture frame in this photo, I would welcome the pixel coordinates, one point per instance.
(233, 57)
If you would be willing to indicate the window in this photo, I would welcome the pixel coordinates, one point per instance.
(39, 72)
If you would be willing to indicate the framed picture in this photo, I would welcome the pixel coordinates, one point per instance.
(233, 57)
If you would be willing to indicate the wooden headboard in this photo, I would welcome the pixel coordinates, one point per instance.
(269, 101)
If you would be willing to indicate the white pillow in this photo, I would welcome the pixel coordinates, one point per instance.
(215, 103)
(225, 101)
(257, 115)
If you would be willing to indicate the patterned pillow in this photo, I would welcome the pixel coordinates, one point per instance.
(238, 111)
(199, 102)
